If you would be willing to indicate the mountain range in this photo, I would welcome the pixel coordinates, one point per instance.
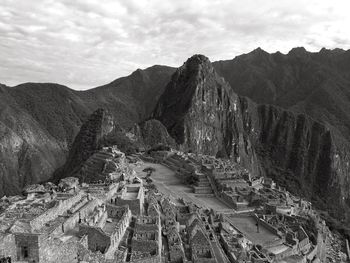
(286, 116)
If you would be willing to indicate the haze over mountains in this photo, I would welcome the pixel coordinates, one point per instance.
(286, 116)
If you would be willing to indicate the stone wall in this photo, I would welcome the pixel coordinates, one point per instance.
(81, 214)
(176, 253)
(27, 247)
(54, 250)
(204, 260)
(152, 259)
(60, 208)
(97, 239)
(112, 191)
(134, 205)
(8, 246)
(71, 222)
(228, 199)
(268, 226)
(287, 253)
(312, 254)
(227, 249)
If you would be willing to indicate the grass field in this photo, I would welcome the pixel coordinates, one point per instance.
(247, 225)
(172, 185)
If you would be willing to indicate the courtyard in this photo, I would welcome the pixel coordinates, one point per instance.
(171, 184)
(247, 226)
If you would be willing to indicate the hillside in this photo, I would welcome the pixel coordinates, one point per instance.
(28, 153)
(306, 147)
(204, 115)
(39, 121)
(317, 84)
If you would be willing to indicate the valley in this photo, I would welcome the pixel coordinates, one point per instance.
(247, 159)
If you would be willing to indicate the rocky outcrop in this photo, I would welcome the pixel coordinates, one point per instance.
(301, 154)
(203, 114)
(99, 125)
(153, 133)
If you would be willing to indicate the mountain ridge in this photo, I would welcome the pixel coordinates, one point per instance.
(204, 115)
(258, 77)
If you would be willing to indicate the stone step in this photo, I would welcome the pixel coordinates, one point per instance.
(97, 160)
(203, 184)
(105, 154)
(93, 169)
(203, 191)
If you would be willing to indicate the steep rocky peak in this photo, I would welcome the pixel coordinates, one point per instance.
(197, 60)
(196, 73)
(298, 52)
(98, 125)
(100, 122)
(195, 65)
(195, 92)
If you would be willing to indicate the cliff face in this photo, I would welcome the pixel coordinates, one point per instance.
(203, 114)
(313, 83)
(303, 155)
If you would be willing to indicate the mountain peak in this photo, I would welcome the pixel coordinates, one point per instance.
(194, 87)
(298, 51)
(259, 50)
(99, 124)
(198, 58)
(257, 55)
(195, 63)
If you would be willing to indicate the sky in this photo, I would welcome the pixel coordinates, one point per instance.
(86, 43)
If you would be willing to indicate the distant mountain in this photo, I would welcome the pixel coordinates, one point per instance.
(282, 115)
(317, 84)
(137, 93)
(39, 121)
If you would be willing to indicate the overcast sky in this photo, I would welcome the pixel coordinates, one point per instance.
(86, 43)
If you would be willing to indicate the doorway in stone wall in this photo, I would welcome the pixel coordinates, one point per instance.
(25, 252)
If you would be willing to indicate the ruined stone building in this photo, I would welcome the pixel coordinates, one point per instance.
(105, 227)
(201, 249)
(132, 195)
(146, 242)
(48, 226)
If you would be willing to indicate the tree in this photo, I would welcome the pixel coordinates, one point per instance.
(149, 170)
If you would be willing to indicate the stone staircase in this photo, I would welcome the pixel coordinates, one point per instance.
(203, 186)
(94, 166)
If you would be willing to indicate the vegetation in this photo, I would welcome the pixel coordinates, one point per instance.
(191, 179)
(149, 170)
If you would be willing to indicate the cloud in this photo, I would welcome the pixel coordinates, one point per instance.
(86, 43)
